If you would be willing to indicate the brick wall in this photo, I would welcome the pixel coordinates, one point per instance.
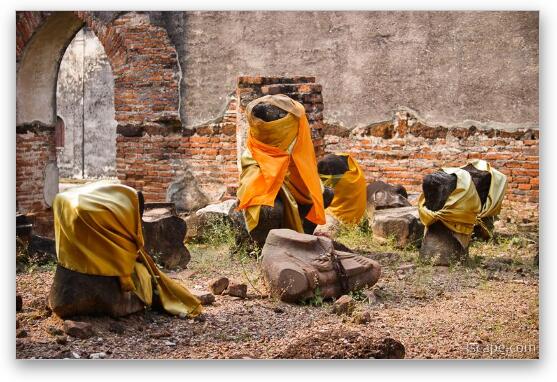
(404, 150)
(152, 162)
(300, 88)
(35, 149)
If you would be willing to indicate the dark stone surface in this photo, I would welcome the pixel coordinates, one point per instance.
(269, 218)
(75, 294)
(164, 235)
(332, 164)
(439, 245)
(381, 195)
(482, 181)
(437, 187)
(268, 112)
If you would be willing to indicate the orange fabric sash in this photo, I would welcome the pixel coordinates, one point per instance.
(274, 163)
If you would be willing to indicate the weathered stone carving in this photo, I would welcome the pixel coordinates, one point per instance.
(297, 266)
(73, 293)
(440, 244)
(164, 235)
(402, 224)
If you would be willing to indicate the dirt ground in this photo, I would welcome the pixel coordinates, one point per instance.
(486, 308)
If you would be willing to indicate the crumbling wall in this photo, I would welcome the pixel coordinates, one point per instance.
(405, 149)
(450, 67)
(85, 101)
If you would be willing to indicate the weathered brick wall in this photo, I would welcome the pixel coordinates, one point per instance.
(146, 99)
(300, 88)
(404, 150)
(152, 162)
(35, 149)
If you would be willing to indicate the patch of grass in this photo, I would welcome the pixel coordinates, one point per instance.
(358, 295)
(217, 232)
(317, 299)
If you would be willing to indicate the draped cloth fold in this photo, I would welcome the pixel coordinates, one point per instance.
(350, 199)
(280, 160)
(99, 232)
(461, 207)
(494, 201)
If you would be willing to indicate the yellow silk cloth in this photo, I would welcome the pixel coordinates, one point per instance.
(350, 200)
(497, 188)
(461, 208)
(280, 160)
(98, 232)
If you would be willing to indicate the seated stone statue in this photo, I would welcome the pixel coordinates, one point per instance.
(343, 174)
(456, 202)
(298, 266)
(279, 184)
(103, 267)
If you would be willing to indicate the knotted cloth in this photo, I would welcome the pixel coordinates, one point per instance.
(98, 232)
(461, 208)
(350, 199)
(280, 160)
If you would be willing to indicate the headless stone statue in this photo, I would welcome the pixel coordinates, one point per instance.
(271, 217)
(299, 266)
(440, 243)
(74, 293)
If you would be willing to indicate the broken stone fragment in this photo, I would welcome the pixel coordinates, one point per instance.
(237, 289)
(362, 317)
(78, 329)
(298, 266)
(164, 234)
(218, 285)
(401, 224)
(206, 298)
(199, 221)
(344, 305)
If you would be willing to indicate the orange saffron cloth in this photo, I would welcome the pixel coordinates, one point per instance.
(276, 164)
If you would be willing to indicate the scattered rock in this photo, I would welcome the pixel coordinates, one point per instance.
(206, 298)
(78, 329)
(219, 285)
(402, 224)
(169, 343)
(381, 195)
(362, 317)
(116, 327)
(18, 303)
(54, 331)
(199, 221)
(278, 310)
(344, 305)
(342, 344)
(100, 355)
(75, 355)
(161, 334)
(21, 333)
(237, 289)
(186, 194)
(62, 340)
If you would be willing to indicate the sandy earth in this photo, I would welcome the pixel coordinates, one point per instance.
(483, 310)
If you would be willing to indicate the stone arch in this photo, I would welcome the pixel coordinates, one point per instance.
(146, 87)
(143, 60)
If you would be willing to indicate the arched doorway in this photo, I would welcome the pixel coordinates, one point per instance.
(85, 102)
